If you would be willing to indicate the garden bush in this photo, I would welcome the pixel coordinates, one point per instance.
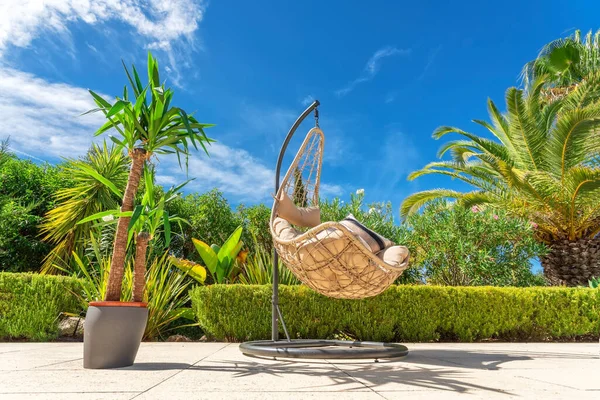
(26, 194)
(402, 313)
(30, 305)
(457, 246)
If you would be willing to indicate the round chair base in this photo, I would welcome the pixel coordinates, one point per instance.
(323, 349)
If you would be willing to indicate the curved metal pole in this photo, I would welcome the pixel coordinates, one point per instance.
(275, 300)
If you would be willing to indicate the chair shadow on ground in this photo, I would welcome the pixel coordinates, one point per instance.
(447, 370)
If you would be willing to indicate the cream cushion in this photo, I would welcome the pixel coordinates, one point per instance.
(396, 256)
(307, 217)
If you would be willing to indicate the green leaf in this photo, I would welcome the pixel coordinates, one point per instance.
(195, 271)
(167, 224)
(207, 254)
(137, 211)
(100, 101)
(117, 141)
(136, 92)
(230, 245)
(98, 216)
(116, 108)
(187, 313)
(102, 180)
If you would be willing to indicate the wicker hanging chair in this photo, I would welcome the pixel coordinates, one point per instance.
(328, 258)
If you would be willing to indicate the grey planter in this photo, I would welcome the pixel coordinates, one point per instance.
(112, 333)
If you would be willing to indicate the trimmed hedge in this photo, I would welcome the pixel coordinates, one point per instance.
(30, 305)
(402, 313)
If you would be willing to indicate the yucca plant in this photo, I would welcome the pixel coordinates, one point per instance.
(146, 125)
(148, 219)
(537, 168)
(166, 290)
(99, 179)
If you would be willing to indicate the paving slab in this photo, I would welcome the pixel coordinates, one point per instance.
(220, 371)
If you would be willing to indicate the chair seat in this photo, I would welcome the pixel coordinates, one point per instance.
(334, 262)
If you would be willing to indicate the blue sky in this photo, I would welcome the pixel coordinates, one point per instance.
(387, 74)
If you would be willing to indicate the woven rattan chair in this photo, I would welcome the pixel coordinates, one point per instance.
(328, 258)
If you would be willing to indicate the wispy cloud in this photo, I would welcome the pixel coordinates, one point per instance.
(43, 118)
(308, 99)
(371, 68)
(44, 123)
(430, 60)
(390, 97)
(163, 24)
(397, 158)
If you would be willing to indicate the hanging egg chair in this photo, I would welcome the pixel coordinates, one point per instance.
(328, 257)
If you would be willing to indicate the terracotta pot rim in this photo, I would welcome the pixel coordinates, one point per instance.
(118, 304)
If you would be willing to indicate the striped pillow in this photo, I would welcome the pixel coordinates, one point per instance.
(375, 241)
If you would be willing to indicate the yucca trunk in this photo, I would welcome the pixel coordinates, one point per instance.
(139, 266)
(572, 263)
(117, 266)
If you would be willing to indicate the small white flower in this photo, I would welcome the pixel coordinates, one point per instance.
(360, 191)
(371, 210)
(107, 218)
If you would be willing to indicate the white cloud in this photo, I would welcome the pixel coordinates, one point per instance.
(233, 171)
(329, 190)
(390, 97)
(162, 23)
(43, 121)
(372, 68)
(430, 59)
(308, 99)
(43, 118)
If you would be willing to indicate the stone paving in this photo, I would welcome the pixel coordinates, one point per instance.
(220, 371)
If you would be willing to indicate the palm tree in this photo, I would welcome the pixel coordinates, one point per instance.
(538, 167)
(565, 62)
(144, 127)
(98, 182)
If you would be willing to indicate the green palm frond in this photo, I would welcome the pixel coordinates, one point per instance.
(542, 165)
(566, 61)
(415, 201)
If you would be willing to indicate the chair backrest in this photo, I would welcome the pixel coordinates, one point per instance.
(301, 181)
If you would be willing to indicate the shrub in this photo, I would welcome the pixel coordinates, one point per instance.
(21, 250)
(26, 194)
(451, 245)
(210, 218)
(30, 305)
(402, 313)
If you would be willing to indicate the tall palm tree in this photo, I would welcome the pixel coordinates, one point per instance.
(98, 182)
(146, 126)
(565, 62)
(536, 168)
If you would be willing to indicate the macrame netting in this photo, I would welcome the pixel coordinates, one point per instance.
(328, 258)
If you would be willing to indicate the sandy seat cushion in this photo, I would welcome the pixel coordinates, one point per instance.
(375, 241)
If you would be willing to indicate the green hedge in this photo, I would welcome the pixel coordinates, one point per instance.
(30, 305)
(402, 313)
